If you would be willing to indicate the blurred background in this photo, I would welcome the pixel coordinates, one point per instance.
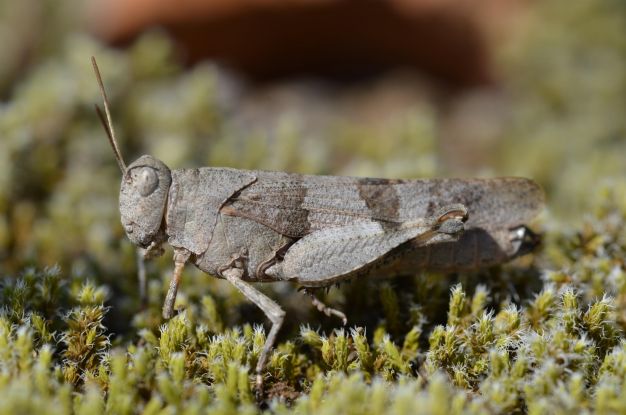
(395, 88)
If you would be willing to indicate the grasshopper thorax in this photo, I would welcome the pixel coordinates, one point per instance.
(143, 195)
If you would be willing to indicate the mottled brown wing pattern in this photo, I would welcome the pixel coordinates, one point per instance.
(296, 205)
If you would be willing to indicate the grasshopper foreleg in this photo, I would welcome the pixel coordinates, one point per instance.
(142, 279)
(152, 251)
(273, 312)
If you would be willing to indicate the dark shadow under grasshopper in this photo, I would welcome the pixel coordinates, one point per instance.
(258, 226)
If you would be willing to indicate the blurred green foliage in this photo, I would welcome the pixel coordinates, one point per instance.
(567, 80)
(545, 335)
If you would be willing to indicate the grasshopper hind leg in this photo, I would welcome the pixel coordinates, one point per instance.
(323, 308)
(272, 310)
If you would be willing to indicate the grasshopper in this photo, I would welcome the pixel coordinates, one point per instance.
(250, 226)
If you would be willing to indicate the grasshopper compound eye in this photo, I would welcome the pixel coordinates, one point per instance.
(145, 180)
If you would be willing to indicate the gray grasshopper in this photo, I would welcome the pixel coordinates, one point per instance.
(258, 226)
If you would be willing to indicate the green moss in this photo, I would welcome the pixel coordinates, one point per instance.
(558, 350)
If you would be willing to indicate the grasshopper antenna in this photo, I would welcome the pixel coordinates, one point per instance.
(106, 122)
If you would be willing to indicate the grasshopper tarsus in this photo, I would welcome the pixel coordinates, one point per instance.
(323, 308)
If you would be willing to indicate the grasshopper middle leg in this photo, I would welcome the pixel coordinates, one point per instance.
(181, 257)
(272, 310)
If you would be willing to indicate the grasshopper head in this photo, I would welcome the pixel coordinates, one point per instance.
(145, 185)
(143, 196)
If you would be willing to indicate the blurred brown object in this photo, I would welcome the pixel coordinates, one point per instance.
(345, 38)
